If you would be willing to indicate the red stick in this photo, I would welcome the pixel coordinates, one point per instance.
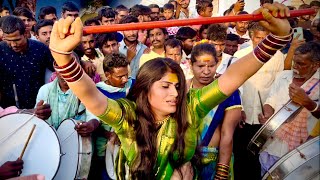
(184, 22)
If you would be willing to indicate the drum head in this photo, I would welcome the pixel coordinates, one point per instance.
(42, 155)
(301, 163)
(69, 140)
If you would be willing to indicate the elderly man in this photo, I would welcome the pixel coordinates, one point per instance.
(301, 85)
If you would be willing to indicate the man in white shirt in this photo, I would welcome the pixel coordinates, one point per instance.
(241, 29)
(293, 84)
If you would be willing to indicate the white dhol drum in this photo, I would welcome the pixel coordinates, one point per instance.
(302, 163)
(42, 155)
(76, 152)
(111, 154)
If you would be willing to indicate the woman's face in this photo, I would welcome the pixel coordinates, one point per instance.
(163, 96)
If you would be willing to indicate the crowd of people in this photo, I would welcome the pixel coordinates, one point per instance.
(165, 103)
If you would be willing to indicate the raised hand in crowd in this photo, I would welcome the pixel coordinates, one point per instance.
(238, 6)
(11, 169)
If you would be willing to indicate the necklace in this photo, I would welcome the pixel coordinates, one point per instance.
(163, 121)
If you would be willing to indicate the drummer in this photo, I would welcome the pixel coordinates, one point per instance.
(64, 105)
(293, 84)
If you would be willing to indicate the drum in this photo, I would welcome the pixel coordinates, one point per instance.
(42, 154)
(301, 163)
(76, 152)
(260, 139)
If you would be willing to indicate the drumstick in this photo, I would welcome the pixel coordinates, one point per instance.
(26, 144)
(261, 102)
(15, 95)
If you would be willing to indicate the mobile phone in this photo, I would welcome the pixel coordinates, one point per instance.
(296, 31)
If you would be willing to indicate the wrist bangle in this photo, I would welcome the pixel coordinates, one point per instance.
(60, 52)
(316, 108)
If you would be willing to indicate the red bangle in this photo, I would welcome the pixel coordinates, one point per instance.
(73, 73)
(75, 78)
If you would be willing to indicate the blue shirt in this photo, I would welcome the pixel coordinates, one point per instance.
(134, 64)
(26, 70)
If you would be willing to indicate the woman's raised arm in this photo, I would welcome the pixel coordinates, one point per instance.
(244, 68)
(66, 35)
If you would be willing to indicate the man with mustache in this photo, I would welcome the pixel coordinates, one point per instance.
(43, 31)
(131, 46)
(157, 37)
(92, 54)
(241, 29)
(293, 84)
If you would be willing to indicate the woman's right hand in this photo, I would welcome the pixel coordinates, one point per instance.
(277, 26)
(66, 34)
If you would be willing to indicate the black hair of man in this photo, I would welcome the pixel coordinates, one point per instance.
(129, 19)
(90, 21)
(42, 23)
(265, 1)
(139, 9)
(46, 11)
(217, 32)
(154, 6)
(11, 24)
(164, 31)
(121, 7)
(233, 37)
(107, 13)
(168, 6)
(4, 8)
(173, 43)
(203, 27)
(112, 61)
(185, 33)
(202, 5)
(312, 48)
(69, 6)
(22, 11)
(315, 3)
(103, 38)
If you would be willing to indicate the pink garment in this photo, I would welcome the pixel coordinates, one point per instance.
(8, 110)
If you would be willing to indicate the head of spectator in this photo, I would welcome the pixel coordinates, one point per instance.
(203, 31)
(257, 33)
(203, 64)
(262, 2)
(43, 31)
(130, 35)
(183, 3)
(155, 12)
(4, 11)
(88, 45)
(205, 8)
(306, 60)
(315, 29)
(121, 11)
(141, 12)
(26, 16)
(304, 17)
(232, 42)
(168, 11)
(48, 13)
(14, 33)
(70, 9)
(315, 5)
(173, 50)
(115, 67)
(1, 32)
(157, 37)
(92, 22)
(109, 43)
(217, 35)
(174, 3)
(107, 16)
(242, 26)
(188, 37)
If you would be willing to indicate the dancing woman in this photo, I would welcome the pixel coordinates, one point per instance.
(158, 123)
